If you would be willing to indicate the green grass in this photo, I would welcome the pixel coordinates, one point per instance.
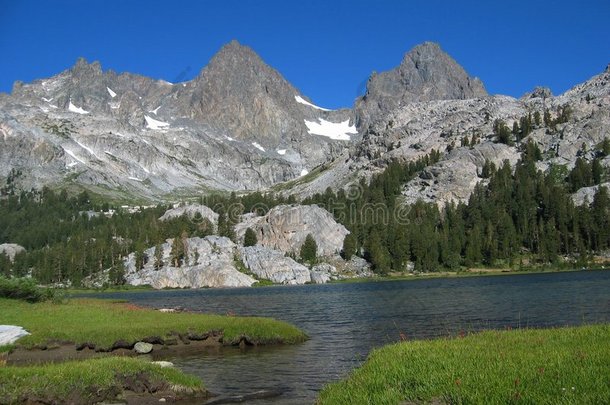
(83, 379)
(547, 366)
(104, 322)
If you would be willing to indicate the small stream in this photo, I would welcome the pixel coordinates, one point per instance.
(346, 321)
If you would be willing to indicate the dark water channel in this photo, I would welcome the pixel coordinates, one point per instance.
(345, 321)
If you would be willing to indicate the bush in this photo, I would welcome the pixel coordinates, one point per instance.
(24, 289)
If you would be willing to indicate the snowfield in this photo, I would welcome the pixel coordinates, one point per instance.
(338, 131)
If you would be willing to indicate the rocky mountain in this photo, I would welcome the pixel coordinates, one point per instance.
(414, 129)
(426, 73)
(239, 126)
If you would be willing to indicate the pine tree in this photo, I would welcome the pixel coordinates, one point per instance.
(250, 238)
(350, 244)
(378, 254)
(177, 253)
(117, 273)
(597, 171)
(604, 148)
(309, 250)
(537, 118)
(158, 256)
(140, 258)
(5, 265)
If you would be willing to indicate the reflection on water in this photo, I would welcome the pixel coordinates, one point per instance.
(345, 321)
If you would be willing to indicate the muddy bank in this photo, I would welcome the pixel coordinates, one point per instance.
(177, 344)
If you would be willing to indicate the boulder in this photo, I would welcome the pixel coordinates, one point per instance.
(143, 348)
(323, 273)
(164, 364)
(285, 228)
(273, 265)
(319, 277)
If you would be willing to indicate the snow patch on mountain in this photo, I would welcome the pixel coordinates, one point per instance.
(112, 93)
(154, 124)
(258, 146)
(338, 131)
(75, 109)
(301, 100)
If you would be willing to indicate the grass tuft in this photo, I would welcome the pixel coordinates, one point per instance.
(103, 323)
(546, 366)
(87, 381)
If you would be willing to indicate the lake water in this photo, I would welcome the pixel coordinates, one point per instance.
(345, 321)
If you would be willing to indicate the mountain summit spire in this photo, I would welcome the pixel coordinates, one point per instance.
(425, 73)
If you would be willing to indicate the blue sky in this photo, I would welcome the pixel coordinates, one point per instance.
(327, 49)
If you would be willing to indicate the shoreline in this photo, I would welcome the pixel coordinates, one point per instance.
(475, 272)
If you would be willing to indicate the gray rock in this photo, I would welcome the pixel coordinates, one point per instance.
(426, 73)
(541, 92)
(143, 348)
(586, 195)
(323, 272)
(9, 334)
(210, 262)
(191, 210)
(285, 228)
(273, 265)
(319, 277)
(164, 364)
(11, 250)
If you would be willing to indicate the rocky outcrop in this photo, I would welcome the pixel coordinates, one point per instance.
(323, 272)
(285, 228)
(11, 250)
(195, 212)
(586, 195)
(273, 265)
(210, 262)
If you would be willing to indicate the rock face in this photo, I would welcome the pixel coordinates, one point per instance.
(426, 73)
(191, 210)
(11, 250)
(285, 228)
(9, 334)
(273, 265)
(209, 263)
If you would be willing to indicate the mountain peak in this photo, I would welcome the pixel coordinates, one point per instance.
(83, 68)
(425, 73)
(234, 54)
